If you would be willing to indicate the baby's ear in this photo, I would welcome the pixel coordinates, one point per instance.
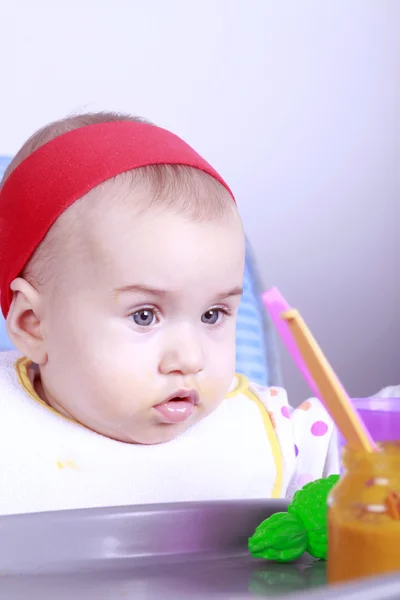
(24, 321)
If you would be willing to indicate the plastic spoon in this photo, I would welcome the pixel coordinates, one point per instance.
(317, 371)
(276, 304)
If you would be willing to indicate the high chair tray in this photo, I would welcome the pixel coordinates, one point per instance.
(194, 550)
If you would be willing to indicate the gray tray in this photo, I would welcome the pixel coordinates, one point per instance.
(196, 550)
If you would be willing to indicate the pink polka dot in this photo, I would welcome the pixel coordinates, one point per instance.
(304, 479)
(285, 412)
(319, 428)
(260, 388)
(305, 406)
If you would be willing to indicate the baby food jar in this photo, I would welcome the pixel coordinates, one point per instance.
(364, 515)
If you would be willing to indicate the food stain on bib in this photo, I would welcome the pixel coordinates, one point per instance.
(67, 464)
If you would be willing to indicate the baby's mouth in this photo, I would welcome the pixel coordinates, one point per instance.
(178, 407)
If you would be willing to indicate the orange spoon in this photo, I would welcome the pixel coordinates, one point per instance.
(332, 392)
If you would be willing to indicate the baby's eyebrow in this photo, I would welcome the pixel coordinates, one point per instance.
(236, 291)
(140, 289)
(145, 289)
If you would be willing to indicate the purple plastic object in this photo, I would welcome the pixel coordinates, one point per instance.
(381, 417)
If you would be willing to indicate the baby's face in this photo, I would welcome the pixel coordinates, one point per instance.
(149, 316)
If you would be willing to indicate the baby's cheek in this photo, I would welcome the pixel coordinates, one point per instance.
(213, 390)
(124, 388)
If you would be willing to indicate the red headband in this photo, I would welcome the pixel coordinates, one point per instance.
(60, 172)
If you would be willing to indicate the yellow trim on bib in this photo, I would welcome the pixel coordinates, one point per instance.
(242, 387)
(22, 366)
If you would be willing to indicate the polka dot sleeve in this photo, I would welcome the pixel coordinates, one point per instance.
(316, 444)
(306, 435)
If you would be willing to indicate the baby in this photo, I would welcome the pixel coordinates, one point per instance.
(121, 261)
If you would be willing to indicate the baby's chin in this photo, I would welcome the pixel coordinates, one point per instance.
(147, 435)
(159, 434)
(163, 434)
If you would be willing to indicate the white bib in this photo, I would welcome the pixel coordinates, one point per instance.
(50, 463)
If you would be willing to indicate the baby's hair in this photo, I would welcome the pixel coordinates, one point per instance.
(178, 188)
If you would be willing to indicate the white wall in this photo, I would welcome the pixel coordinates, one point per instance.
(296, 103)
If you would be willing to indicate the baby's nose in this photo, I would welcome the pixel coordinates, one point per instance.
(183, 354)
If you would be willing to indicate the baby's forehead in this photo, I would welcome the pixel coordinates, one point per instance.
(176, 189)
(154, 248)
(130, 213)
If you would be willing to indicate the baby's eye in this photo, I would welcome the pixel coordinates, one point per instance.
(212, 316)
(144, 317)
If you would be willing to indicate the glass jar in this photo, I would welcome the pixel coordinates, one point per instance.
(364, 515)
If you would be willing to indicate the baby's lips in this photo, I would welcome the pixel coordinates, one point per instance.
(176, 411)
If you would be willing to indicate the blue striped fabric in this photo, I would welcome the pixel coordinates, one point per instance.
(253, 341)
(5, 343)
(4, 160)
